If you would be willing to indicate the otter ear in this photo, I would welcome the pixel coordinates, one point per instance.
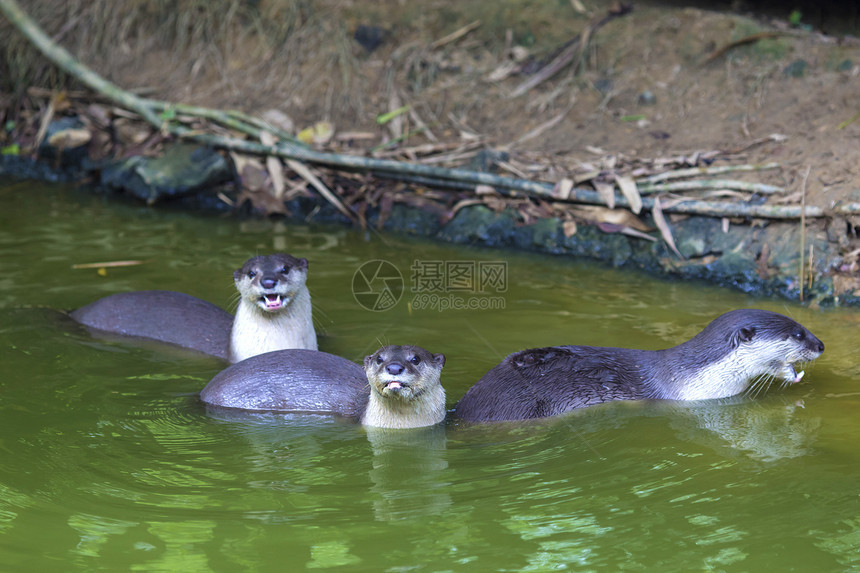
(368, 360)
(237, 273)
(302, 264)
(743, 334)
(439, 359)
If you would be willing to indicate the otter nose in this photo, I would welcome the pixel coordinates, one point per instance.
(269, 283)
(395, 368)
(820, 346)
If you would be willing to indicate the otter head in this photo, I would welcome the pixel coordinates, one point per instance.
(771, 344)
(403, 372)
(270, 282)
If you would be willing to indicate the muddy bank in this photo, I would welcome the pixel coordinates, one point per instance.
(756, 256)
(654, 91)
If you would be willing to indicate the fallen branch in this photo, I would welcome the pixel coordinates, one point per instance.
(67, 62)
(456, 35)
(574, 47)
(428, 175)
(696, 171)
(646, 188)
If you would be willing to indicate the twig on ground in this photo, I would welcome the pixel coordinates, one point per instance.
(433, 176)
(743, 41)
(456, 35)
(574, 48)
(646, 189)
(696, 171)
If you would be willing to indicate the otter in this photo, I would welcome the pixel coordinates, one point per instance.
(736, 349)
(274, 313)
(163, 315)
(399, 386)
(405, 388)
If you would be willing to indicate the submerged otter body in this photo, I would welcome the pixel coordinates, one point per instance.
(399, 387)
(733, 351)
(168, 316)
(274, 313)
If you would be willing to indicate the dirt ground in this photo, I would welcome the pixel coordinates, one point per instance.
(657, 83)
(778, 99)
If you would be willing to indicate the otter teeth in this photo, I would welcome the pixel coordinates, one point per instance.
(792, 375)
(272, 301)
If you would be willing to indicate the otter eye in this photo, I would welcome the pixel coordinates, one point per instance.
(251, 274)
(798, 335)
(285, 270)
(415, 360)
(379, 359)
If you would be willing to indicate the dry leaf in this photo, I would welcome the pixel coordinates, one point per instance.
(130, 133)
(274, 166)
(319, 134)
(279, 119)
(355, 136)
(630, 192)
(520, 53)
(569, 228)
(396, 124)
(606, 192)
(665, 231)
(70, 138)
(624, 230)
(99, 114)
(305, 173)
(620, 217)
(464, 203)
(563, 188)
(503, 71)
(587, 176)
(637, 234)
(578, 6)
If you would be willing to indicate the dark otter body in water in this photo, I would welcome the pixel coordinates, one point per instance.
(168, 316)
(731, 352)
(274, 313)
(399, 386)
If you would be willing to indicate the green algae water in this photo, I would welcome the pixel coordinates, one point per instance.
(110, 463)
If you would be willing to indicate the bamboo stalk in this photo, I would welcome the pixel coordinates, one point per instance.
(233, 119)
(67, 62)
(803, 229)
(697, 171)
(290, 149)
(646, 188)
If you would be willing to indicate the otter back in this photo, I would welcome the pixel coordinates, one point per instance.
(166, 316)
(737, 349)
(294, 380)
(543, 382)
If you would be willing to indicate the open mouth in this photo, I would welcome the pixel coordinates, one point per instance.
(791, 375)
(273, 301)
(395, 387)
